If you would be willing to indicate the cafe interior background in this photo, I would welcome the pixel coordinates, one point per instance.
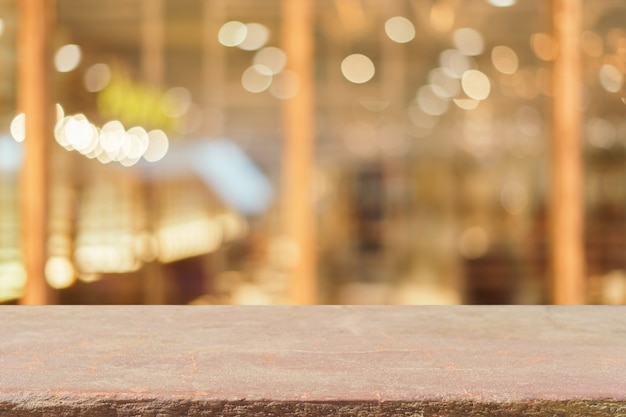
(346, 152)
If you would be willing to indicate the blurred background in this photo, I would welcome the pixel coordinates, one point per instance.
(278, 152)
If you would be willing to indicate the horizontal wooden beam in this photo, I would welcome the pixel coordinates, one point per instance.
(312, 361)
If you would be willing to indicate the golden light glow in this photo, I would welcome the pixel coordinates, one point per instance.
(442, 16)
(59, 272)
(12, 279)
(250, 294)
(188, 238)
(592, 43)
(543, 46)
(504, 59)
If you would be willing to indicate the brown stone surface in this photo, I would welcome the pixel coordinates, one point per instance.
(367, 361)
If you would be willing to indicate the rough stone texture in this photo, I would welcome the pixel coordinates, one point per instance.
(170, 361)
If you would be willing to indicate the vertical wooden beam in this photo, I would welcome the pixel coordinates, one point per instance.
(213, 59)
(34, 99)
(152, 66)
(567, 231)
(298, 155)
(152, 41)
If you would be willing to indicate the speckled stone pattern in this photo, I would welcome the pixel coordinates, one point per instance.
(167, 361)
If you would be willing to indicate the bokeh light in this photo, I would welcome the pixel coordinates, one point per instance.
(504, 59)
(442, 16)
(592, 43)
(158, 144)
(400, 29)
(285, 85)
(443, 83)
(97, 77)
(112, 137)
(600, 133)
(455, 62)
(543, 46)
(12, 279)
(232, 33)
(502, 3)
(67, 58)
(476, 84)
(466, 103)
(256, 37)
(176, 102)
(18, 127)
(468, 41)
(271, 57)
(514, 197)
(256, 78)
(611, 78)
(78, 132)
(358, 68)
(59, 272)
(430, 102)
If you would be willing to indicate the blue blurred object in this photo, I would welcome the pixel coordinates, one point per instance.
(11, 154)
(233, 176)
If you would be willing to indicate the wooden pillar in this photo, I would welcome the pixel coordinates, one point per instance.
(152, 41)
(298, 155)
(34, 99)
(566, 212)
(214, 62)
(152, 66)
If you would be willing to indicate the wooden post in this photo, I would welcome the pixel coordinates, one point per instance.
(299, 133)
(566, 212)
(34, 99)
(152, 42)
(152, 65)
(213, 61)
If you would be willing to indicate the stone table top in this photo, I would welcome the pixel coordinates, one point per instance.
(321, 360)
